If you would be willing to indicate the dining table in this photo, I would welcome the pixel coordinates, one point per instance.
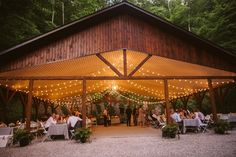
(6, 134)
(193, 123)
(58, 129)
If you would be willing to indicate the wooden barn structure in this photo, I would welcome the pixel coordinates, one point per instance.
(121, 45)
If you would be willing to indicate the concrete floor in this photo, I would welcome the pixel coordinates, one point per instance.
(124, 131)
(120, 140)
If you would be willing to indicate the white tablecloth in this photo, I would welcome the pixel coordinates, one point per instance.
(58, 129)
(5, 135)
(190, 122)
(232, 118)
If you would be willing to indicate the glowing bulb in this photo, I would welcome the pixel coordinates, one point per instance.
(114, 87)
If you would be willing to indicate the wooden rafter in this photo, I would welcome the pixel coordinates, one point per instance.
(140, 65)
(23, 98)
(109, 64)
(8, 97)
(125, 62)
(11, 96)
(111, 77)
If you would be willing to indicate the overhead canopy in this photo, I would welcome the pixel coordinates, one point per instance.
(92, 66)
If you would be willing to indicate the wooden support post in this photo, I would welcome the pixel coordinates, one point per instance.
(84, 103)
(29, 105)
(125, 62)
(212, 98)
(167, 101)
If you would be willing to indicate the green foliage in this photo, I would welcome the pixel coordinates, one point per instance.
(111, 110)
(169, 130)
(23, 137)
(65, 110)
(82, 134)
(213, 19)
(221, 126)
(99, 110)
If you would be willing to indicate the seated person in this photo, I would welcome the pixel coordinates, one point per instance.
(2, 125)
(74, 121)
(51, 121)
(201, 115)
(59, 118)
(182, 114)
(176, 118)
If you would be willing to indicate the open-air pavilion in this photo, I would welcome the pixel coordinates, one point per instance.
(121, 46)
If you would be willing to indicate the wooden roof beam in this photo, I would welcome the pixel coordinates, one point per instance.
(109, 64)
(111, 77)
(140, 65)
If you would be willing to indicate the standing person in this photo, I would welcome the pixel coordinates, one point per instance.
(128, 114)
(141, 116)
(135, 116)
(105, 116)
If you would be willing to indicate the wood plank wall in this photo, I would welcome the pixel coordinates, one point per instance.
(119, 32)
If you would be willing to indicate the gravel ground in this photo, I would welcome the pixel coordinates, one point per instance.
(132, 142)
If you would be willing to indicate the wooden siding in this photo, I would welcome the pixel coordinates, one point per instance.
(123, 31)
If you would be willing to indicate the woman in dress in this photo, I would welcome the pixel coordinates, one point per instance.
(141, 118)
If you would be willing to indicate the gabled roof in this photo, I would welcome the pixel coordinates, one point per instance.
(83, 23)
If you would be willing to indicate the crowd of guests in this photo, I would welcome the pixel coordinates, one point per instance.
(179, 114)
(141, 117)
(139, 114)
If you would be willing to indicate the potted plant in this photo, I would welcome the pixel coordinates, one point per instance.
(82, 134)
(221, 126)
(169, 131)
(23, 137)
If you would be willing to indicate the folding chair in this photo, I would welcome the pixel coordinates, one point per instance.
(34, 129)
(72, 132)
(152, 122)
(43, 129)
(203, 127)
(161, 123)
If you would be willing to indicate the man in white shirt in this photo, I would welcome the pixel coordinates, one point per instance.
(175, 116)
(51, 121)
(72, 120)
